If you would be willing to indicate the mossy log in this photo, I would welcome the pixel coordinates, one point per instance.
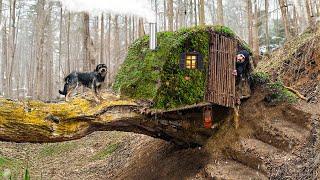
(39, 122)
(36, 121)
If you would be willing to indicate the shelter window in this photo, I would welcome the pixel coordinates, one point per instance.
(191, 60)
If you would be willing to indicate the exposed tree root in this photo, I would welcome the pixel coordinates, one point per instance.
(296, 93)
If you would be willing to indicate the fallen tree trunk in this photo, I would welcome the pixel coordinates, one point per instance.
(36, 121)
(39, 122)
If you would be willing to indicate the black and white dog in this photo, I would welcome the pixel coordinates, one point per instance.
(92, 80)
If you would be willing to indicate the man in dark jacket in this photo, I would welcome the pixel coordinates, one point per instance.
(243, 66)
(242, 73)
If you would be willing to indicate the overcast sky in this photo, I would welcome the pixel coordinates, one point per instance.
(140, 8)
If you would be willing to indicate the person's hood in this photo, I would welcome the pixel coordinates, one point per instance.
(245, 53)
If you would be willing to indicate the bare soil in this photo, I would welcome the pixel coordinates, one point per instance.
(103, 155)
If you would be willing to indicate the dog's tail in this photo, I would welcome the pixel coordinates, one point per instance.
(65, 89)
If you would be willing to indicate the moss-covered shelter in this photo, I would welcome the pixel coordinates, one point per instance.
(156, 75)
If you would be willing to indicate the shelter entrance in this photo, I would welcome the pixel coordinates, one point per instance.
(221, 88)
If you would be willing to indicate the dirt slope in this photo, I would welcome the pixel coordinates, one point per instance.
(297, 64)
(103, 155)
(270, 141)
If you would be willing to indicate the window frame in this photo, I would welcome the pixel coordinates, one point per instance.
(192, 58)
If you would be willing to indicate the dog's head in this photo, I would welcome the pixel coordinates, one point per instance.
(101, 69)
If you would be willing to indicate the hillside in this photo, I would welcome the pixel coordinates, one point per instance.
(297, 64)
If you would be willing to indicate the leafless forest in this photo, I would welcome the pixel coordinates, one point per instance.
(42, 41)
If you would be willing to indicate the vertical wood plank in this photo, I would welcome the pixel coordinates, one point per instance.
(220, 81)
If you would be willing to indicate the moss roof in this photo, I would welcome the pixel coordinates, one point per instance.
(155, 75)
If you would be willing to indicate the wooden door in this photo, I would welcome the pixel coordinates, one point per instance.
(220, 80)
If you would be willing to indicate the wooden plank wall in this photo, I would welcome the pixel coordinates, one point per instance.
(220, 81)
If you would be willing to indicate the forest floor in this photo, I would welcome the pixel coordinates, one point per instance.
(102, 155)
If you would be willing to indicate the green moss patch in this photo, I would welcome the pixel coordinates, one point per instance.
(3, 161)
(278, 93)
(107, 151)
(276, 90)
(155, 75)
(260, 78)
(13, 165)
(57, 148)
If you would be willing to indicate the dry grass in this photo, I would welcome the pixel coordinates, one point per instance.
(268, 64)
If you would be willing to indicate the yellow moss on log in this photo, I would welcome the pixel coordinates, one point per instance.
(39, 121)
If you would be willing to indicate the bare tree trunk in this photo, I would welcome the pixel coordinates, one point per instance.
(202, 13)
(220, 12)
(126, 33)
(313, 8)
(40, 48)
(18, 72)
(267, 24)
(86, 42)
(133, 28)
(130, 30)
(177, 15)
(32, 64)
(318, 8)
(212, 12)
(284, 12)
(109, 49)
(8, 53)
(307, 3)
(18, 64)
(68, 69)
(157, 15)
(60, 45)
(49, 55)
(94, 48)
(191, 12)
(184, 15)
(102, 40)
(256, 29)
(164, 15)
(309, 12)
(4, 63)
(1, 11)
(12, 43)
(195, 12)
(3, 55)
(301, 14)
(170, 14)
(295, 22)
(141, 31)
(250, 23)
(116, 46)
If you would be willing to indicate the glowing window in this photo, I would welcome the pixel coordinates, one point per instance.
(191, 61)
